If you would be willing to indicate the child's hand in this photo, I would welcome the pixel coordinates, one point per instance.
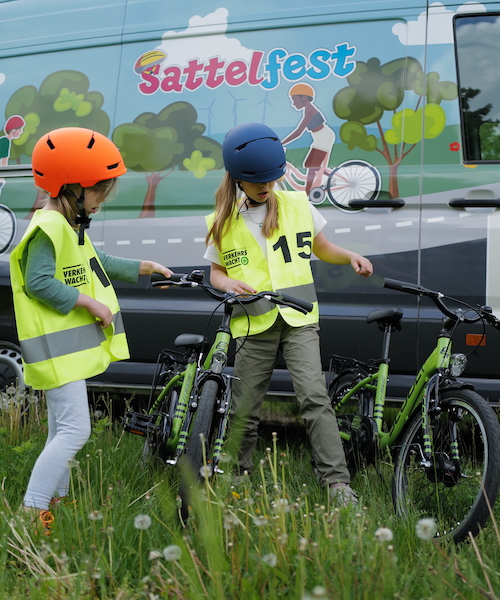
(362, 265)
(239, 288)
(102, 313)
(97, 309)
(149, 266)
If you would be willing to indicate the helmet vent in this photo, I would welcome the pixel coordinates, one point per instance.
(50, 144)
(39, 173)
(111, 167)
(91, 143)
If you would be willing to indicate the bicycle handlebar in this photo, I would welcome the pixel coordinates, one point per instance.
(483, 312)
(196, 279)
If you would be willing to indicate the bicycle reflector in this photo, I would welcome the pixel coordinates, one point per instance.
(458, 362)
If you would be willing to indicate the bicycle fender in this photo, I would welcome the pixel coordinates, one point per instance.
(455, 384)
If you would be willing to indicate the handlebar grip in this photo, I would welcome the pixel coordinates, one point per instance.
(307, 306)
(404, 286)
(159, 277)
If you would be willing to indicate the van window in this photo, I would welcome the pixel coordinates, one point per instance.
(478, 65)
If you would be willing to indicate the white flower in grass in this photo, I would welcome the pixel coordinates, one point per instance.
(426, 529)
(142, 522)
(95, 516)
(155, 555)
(270, 559)
(383, 534)
(172, 553)
(260, 521)
(230, 522)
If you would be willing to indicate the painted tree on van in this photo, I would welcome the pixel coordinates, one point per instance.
(63, 100)
(156, 144)
(375, 89)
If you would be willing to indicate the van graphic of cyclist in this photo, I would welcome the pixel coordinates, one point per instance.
(323, 137)
(13, 130)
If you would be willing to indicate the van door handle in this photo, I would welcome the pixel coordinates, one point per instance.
(382, 203)
(474, 203)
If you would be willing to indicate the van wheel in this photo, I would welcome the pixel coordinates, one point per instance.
(11, 364)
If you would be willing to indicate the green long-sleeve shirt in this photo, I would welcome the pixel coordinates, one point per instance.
(39, 265)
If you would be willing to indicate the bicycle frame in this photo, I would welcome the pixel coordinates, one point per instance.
(191, 379)
(436, 362)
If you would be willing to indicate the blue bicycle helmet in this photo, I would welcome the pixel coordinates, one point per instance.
(253, 152)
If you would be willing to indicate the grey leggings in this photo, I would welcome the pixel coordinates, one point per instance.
(69, 430)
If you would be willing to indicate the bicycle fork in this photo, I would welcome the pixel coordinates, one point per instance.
(439, 466)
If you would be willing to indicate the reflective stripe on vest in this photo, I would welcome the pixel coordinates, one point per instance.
(287, 267)
(60, 343)
(58, 349)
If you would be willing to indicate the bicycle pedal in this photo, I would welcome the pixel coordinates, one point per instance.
(140, 424)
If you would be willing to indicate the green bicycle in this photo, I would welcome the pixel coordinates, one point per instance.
(190, 398)
(445, 439)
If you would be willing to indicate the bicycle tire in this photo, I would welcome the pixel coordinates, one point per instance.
(199, 443)
(454, 498)
(354, 419)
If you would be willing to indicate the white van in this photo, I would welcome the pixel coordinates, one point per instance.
(389, 112)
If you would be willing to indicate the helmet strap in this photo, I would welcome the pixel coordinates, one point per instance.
(249, 201)
(82, 219)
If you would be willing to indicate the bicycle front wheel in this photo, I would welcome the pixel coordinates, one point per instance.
(451, 491)
(196, 463)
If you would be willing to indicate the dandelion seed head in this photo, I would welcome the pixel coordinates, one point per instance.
(426, 529)
(95, 516)
(260, 521)
(383, 534)
(229, 522)
(142, 521)
(155, 555)
(172, 553)
(270, 560)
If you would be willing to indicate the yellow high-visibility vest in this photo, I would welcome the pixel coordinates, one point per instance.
(287, 268)
(58, 349)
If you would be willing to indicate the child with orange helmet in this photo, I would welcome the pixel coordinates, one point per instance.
(67, 315)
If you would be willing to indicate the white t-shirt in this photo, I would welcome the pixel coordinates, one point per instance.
(254, 217)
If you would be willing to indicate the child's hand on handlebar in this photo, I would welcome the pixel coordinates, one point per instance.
(150, 266)
(238, 288)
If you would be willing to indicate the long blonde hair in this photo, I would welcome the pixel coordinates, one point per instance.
(227, 210)
(65, 201)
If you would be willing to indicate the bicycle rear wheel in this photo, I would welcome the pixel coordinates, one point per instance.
(353, 418)
(196, 463)
(451, 492)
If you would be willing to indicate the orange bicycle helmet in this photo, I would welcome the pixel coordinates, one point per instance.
(74, 155)
(301, 89)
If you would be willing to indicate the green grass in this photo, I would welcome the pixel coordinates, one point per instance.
(273, 535)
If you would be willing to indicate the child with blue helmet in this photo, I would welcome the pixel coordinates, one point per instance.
(261, 238)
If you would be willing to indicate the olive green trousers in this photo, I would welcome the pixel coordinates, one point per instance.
(254, 364)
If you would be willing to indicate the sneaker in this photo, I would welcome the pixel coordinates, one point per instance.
(343, 495)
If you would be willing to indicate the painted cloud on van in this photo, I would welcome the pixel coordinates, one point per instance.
(440, 30)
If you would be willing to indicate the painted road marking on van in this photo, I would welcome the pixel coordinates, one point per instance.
(149, 241)
(372, 227)
(404, 224)
(435, 219)
(344, 230)
(123, 242)
(174, 241)
(199, 239)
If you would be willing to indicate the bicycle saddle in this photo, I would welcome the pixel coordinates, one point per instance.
(386, 316)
